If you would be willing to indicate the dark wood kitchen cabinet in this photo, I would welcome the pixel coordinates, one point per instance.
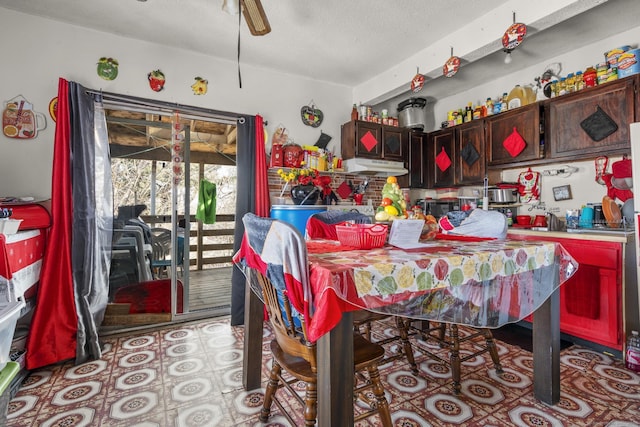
(526, 120)
(361, 139)
(439, 142)
(418, 166)
(591, 301)
(458, 142)
(374, 141)
(567, 138)
(470, 153)
(394, 143)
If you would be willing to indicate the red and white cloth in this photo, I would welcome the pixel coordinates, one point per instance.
(21, 259)
(529, 186)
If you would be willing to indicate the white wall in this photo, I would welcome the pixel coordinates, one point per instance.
(38, 51)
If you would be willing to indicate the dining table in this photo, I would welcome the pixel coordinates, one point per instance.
(473, 282)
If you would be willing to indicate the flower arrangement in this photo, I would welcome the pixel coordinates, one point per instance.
(305, 176)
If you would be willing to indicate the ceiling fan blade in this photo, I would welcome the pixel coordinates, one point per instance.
(256, 18)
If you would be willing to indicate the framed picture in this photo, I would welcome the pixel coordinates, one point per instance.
(562, 192)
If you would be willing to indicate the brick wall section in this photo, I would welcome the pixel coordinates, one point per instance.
(373, 192)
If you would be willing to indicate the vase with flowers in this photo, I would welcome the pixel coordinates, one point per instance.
(304, 185)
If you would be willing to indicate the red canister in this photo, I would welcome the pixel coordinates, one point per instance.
(590, 77)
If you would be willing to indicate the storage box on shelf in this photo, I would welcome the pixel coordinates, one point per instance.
(9, 226)
(9, 314)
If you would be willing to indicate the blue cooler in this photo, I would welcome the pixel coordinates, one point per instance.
(296, 215)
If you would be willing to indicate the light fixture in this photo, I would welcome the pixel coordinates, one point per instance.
(232, 7)
(508, 59)
(253, 13)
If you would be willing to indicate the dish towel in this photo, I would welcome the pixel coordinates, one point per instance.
(206, 211)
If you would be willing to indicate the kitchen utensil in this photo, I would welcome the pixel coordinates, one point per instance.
(553, 223)
(586, 217)
(627, 211)
(524, 219)
(611, 212)
(411, 113)
(540, 221)
(503, 195)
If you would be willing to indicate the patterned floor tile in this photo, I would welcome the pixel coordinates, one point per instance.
(190, 375)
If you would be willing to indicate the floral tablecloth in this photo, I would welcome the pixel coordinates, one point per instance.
(482, 284)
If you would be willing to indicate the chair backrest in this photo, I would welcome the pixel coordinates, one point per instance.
(322, 225)
(133, 236)
(274, 259)
(161, 242)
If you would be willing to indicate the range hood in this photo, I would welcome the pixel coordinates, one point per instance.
(375, 167)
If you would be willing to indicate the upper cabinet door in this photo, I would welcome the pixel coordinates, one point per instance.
(592, 121)
(394, 143)
(441, 158)
(361, 139)
(526, 121)
(470, 153)
(418, 159)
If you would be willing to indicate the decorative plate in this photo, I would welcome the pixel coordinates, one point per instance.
(311, 116)
(514, 36)
(417, 82)
(53, 109)
(451, 67)
(107, 68)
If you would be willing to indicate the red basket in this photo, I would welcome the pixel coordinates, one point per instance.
(362, 236)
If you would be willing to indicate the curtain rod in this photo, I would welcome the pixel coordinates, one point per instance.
(143, 105)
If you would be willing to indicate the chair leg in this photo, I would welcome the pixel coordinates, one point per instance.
(272, 386)
(381, 401)
(493, 351)
(455, 357)
(310, 404)
(403, 325)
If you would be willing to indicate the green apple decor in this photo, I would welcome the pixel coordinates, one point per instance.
(108, 68)
(311, 116)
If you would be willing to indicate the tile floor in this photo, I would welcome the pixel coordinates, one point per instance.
(191, 375)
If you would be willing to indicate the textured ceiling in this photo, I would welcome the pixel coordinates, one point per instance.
(341, 41)
(351, 42)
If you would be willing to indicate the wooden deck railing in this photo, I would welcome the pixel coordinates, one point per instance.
(212, 244)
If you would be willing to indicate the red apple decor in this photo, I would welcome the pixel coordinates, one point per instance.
(156, 80)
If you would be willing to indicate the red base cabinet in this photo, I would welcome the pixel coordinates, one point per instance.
(591, 301)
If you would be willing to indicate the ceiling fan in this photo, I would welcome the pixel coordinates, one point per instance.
(253, 14)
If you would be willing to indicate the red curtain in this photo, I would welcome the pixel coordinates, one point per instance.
(52, 336)
(263, 203)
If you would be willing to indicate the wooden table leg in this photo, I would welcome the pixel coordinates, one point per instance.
(252, 357)
(335, 375)
(546, 350)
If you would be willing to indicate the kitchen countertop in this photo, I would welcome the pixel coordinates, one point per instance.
(600, 235)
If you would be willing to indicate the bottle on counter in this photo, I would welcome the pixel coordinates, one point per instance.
(562, 87)
(632, 359)
(579, 81)
(354, 112)
(468, 113)
(570, 83)
(489, 106)
(503, 103)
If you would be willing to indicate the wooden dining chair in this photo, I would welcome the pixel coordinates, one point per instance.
(322, 226)
(277, 270)
(477, 342)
